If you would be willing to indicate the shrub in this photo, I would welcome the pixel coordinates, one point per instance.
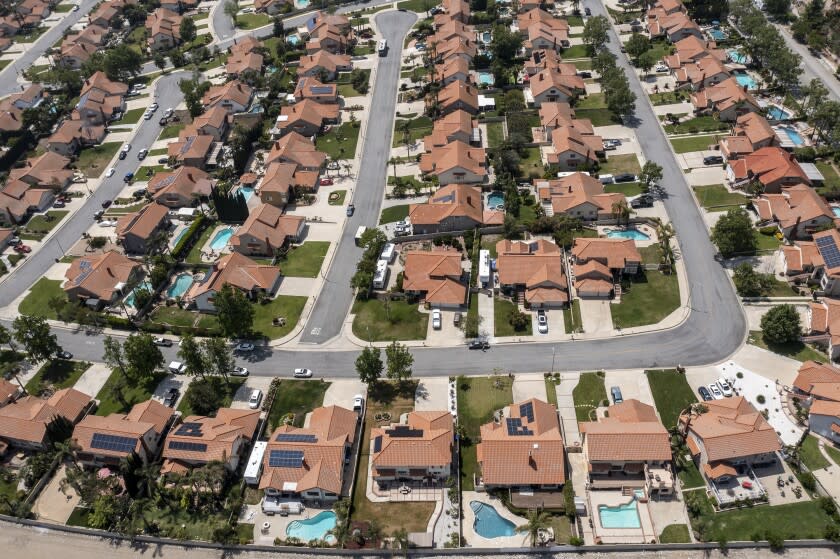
(776, 541)
(186, 241)
(781, 325)
(760, 398)
(808, 481)
(769, 230)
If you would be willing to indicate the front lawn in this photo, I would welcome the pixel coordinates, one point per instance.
(833, 452)
(304, 261)
(339, 199)
(809, 453)
(93, 160)
(626, 188)
(831, 185)
(671, 394)
(595, 109)
(575, 51)
(697, 124)
(111, 402)
(589, 394)
(132, 116)
(418, 128)
(669, 98)
(287, 306)
(478, 399)
(345, 86)
(36, 301)
(340, 141)
(56, 375)
(766, 242)
(171, 131)
(38, 226)
(419, 6)
(717, 196)
(693, 143)
(615, 164)
(650, 254)
(225, 390)
(675, 533)
(649, 297)
(394, 213)
(794, 350)
(252, 21)
(373, 322)
(571, 318)
(174, 316)
(296, 397)
(502, 309)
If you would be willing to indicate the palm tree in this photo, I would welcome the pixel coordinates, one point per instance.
(147, 479)
(393, 162)
(665, 232)
(341, 531)
(621, 212)
(399, 540)
(374, 532)
(405, 128)
(537, 520)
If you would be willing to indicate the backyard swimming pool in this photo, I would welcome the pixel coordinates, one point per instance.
(179, 236)
(634, 234)
(314, 528)
(180, 286)
(486, 78)
(775, 112)
(293, 39)
(486, 36)
(300, 4)
(489, 523)
(495, 200)
(220, 239)
(747, 80)
(717, 34)
(129, 299)
(247, 192)
(737, 56)
(622, 516)
(793, 134)
(836, 210)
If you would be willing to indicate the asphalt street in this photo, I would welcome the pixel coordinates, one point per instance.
(811, 66)
(222, 23)
(9, 77)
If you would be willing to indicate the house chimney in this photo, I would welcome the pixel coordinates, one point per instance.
(542, 76)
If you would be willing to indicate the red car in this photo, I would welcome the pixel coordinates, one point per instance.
(326, 182)
(22, 248)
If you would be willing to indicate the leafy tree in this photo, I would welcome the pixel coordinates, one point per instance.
(777, 8)
(193, 92)
(651, 173)
(399, 360)
(278, 30)
(7, 338)
(596, 33)
(647, 61)
(505, 44)
(178, 59)
(637, 45)
(369, 365)
(537, 520)
(34, 334)
(142, 356)
(518, 319)
(217, 356)
(733, 233)
(620, 99)
(205, 396)
(781, 325)
(190, 353)
(231, 10)
(750, 283)
(187, 30)
(236, 314)
(122, 63)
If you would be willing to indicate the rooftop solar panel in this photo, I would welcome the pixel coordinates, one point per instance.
(112, 442)
(296, 438)
(285, 459)
(190, 429)
(188, 446)
(527, 410)
(377, 444)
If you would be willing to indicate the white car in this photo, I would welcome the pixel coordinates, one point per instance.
(126, 148)
(110, 172)
(238, 372)
(108, 223)
(168, 113)
(725, 387)
(436, 322)
(358, 403)
(303, 373)
(661, 67)
(164, 342)
(244, 347)
(542, 322)
(255, 399)
(715, 390)
(147, 115)
(153, 107)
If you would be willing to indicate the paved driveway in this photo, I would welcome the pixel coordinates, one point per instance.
(694, 159)
(341, 392)
(243, 394)
(92, 380)
(448, 331)
(556, 326)
(529, 386)
(596, 316)
(432, 394)
(632, 383)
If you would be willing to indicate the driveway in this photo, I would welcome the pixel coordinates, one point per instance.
(694, 159)
(341, 392)
(92, 380)
(432, 394)
(527, 386)
(556, 325)
(596, 316)
(243, 394)
(632, 383)
(448, 331)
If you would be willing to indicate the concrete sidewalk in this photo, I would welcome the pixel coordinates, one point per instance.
(566, 408)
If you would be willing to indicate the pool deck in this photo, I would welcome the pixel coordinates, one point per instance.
(619, 535)
(208, 254)
(643, 227)
(474, 540)
(277, 524)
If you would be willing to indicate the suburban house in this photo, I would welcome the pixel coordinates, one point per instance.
(544, 59)
(522, 450)
(238, 271)
(454, 207)
(456, 47)
(578, 195)
(104, 15)
(700, 74)
(9, 392)
(106, 441)
(294, 148)
(817, 388)
(244, 57)
(457, 10)
(306, 117)
(824, 419)
(729, 439)
(18, 200)
(73, 135)
(727, 98)
(179, 188)
(770, 167)
(557, 115)
(192, 149)
(163, 28)
(74, 53)
(798, 211)
(101, 278)
(824, 320)
(309, 463)
(48, 170)
(436, 277)
(199, 440)
(571, 149)
(312, 89)
(538, 17)
(455, 69)
(532, 272)
(554, 84)
(455, 126)
(233, 96)
(750, 133)
(671, 22)
(418, 450)
(457, 96)
(456, 162)
(266, 231)
(282, 180)
(452, 28)
(212, 123)
(546, 35)
(692, 49)
(628, 448)
(324, 65)
(600, 263)
(138, 231)
(24, 422)
(100, 100)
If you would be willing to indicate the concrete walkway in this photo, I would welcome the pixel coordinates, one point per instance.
(488, 319)
(566, 407)
(92, 380)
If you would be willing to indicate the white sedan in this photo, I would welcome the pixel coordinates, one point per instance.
(245, 347)
(110, 172)
(108, 223)
(303, 373)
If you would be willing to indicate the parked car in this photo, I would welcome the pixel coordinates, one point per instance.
(358, 402)
(148, 115)
(303, 373)
(625, 177)
(479, 343)
(456, 319)
(168, 113)
(66, 355)
(239, 372)
(704, 393)
(126, 148)
(725, 387)
(23, 249)
(436, 324)
(326, 181)
(164, 342)
(255, 399)
(139, 193)
(106, 204)
(154, 107)
(661, 67)
(587, 11)
(351, 210)
(585, 74)
(123, 155)
(623, 48)
(163, 121)
(97, 215)
(171, 397)
(643, 201)
(110, 172)
(713, 160)
(163, 160)
(141, 155)
(128, 176)
(616, 395)
(244, 347)
(14, 241)
(108, 223)
(59, 204)
(177, 368)
(715, 390)
(542, 322)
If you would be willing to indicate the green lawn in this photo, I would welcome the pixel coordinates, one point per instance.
(62, 8)
(297, 397)
(35, 302)
(339, 199)
(194, 256)
(56, 375)
(551, 391)
(651, 297)
(626, 188)
(650, 254)
(131, 395)
(288, 306)
(304, 261)
(502, 308)
(345, 86)
(418, 128)
(372, 322)
(394, 213)
(93, 160)
(478, 399)
(171, 131)
(675, 533)
(689, 475)
(583, 64)
(531, 165)
(615, 164)
(174, 316)
(795, 350)
(716, 195)
(766, 242)
(495, 134)
(697, 124)
(810, 454)
(132, 116)
(252, 21)
(340, 141)
(671, 394)
(693, 143)
(571, 318)
(595, 109)
(228, 390)
(589, 394)
(38, 226)
(669, 97)
(834, 453)
(418, 6)
(575, 51)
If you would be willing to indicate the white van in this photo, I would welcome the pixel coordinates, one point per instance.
(606, 179)
(177, 368)
(383, 47)
(359, 232)
(255, 399)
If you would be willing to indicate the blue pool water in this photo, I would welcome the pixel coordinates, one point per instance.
(747, 80)
(495, 200)
(634, 234)
(836, 210)
(314, 528)
(487, 36)
(247, 192)
(182, 283)
(622, 516)
(179, 236)
(220, 239)
(717, 34)
(293, 39)
(777, 113)
(485, 78)
(737, 56)
(489, 523)
(302, 3)
(129, 299)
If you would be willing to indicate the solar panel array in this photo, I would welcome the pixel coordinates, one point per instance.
(188, 446)
(85, 269)
(404, 431)
(527, 410)
(829, 251)
(445, 199)
(321, 89)
(165, 181)
(190, 429)
(516, 429)
(285, 459)
(295, 438)
(377, 444)
(113, 442)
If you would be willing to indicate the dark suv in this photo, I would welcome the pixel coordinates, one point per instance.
(643, 201)
(713, 160)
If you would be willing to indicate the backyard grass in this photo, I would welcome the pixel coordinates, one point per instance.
(297, 397)
(650, 254)
(688, 474)
(834, 453)
(171, 131)
(194, 256)
(339, 201)
(716, 196)
(372, 323)
(616, 164)
(340, 141)
(418, 6)
(93, 160)
(530, 165)
(502, 309)
(766, 242)
(671, 394)
(38, 227)
(626, 188)
(252, 21)
(651, 297)
(56, 375)
(289, 307)
(697, 124)
(412, 516)
(575, 51)
(478, 399)
(174, 316)
(588, 395)
(131, 395)
(228, 390)
(794, 350)
(675, 533)
(693, 143)
(809, 453)
(394, 213)
(495, 134)
(36, 302)
(571, 318)
(304, 261)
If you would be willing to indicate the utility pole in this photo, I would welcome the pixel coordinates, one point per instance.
(553, 353)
